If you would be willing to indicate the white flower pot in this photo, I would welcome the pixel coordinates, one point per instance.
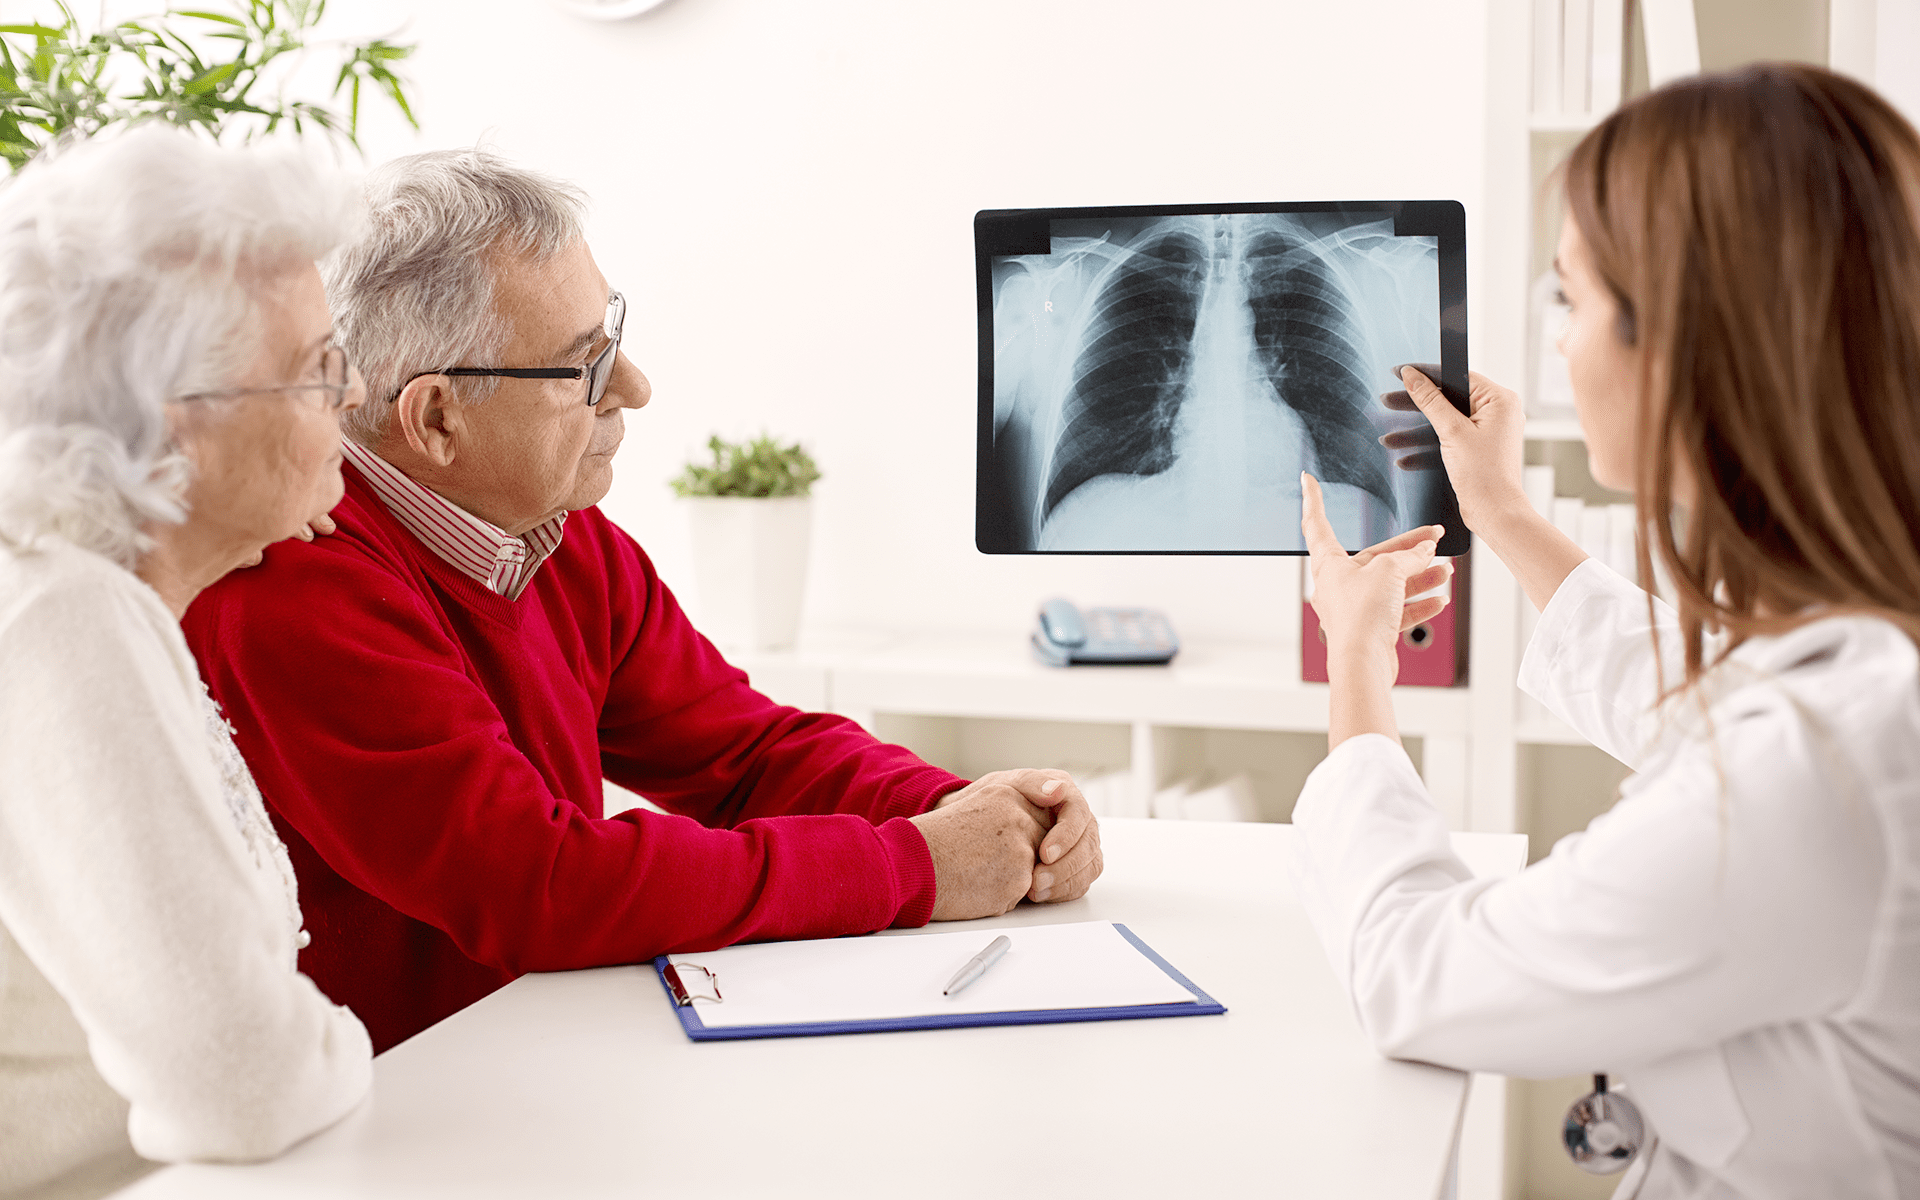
(750, 567)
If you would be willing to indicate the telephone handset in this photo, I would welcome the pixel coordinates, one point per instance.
(1113, 636)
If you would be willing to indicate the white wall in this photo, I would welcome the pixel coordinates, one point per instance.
(784, 191)
(1897, 54)
(1878, 41)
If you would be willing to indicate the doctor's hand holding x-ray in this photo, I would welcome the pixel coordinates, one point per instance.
(1481, 452)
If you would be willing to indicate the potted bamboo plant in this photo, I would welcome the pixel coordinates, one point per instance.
(751, 514)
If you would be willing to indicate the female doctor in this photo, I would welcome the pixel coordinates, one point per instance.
(1737, 942)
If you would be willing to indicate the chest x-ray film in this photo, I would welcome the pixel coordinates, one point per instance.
(1154, 380)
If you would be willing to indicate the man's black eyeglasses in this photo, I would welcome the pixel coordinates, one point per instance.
(598, 371)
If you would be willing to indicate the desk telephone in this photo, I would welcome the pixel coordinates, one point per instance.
(1111, 636)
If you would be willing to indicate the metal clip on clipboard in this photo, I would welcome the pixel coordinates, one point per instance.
(682, 995)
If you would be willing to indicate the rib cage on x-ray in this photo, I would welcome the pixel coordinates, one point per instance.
(1163, 338)
(1129, 381)
(1311, 341)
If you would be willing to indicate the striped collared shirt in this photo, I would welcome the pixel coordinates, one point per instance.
(480, 550)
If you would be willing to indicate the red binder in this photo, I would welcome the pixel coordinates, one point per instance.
(1432, 654)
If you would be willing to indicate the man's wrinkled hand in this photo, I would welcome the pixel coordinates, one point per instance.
(1069, 859)
(983, 841)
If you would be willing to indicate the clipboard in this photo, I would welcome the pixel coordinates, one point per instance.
(697, 984)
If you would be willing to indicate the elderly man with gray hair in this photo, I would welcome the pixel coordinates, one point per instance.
(432, 697)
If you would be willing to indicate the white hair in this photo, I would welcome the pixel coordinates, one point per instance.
(129, 264)
(416, 294)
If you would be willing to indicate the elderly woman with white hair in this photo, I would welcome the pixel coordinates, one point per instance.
(170, 398)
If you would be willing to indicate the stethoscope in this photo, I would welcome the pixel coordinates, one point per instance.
(1603, 1130)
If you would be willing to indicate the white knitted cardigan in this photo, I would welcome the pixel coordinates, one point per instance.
(148, 917)
(249, 813)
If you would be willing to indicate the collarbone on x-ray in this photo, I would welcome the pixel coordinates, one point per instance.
(1166, 379)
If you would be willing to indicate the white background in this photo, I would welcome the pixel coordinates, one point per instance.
(785, 193)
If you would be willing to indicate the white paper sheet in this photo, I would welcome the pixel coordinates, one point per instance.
(1083, 965)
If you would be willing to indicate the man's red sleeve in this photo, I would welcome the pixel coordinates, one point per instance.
(684, 728)
(369, 731)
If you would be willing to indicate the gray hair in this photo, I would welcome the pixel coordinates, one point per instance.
(128, 269)
(417, 292)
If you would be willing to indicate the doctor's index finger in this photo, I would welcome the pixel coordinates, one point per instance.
(1314, 526)
(1420, 437)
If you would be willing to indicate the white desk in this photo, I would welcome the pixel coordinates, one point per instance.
(583, 1085)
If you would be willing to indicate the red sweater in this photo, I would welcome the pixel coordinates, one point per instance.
(433, 755)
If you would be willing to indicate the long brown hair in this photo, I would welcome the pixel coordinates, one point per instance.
(1760, 231)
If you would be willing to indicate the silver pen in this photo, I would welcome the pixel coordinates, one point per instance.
(977, 965)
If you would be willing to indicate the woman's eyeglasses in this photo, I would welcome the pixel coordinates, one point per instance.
(598, 371)
(335, 383)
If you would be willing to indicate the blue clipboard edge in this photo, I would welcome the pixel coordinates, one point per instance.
(1204, 1006)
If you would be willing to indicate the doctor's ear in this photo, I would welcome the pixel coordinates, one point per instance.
(1625, 326)
(428, 416)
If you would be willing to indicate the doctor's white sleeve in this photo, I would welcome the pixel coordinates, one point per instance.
(126, 881)
(1670, 923)
(1727, 890)
(1592, 661)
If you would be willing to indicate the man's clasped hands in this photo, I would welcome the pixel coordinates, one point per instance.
(1009, 835)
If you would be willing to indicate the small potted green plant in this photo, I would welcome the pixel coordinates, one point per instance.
(752, 521)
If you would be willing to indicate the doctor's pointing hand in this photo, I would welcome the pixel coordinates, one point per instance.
(1365, 602)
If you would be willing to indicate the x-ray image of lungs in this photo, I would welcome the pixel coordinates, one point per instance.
(1161, 382)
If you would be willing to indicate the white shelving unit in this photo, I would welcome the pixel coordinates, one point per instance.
(940, 693)
(1554, 429)
(1549, 761)
(1157, 720)
(1561, 124)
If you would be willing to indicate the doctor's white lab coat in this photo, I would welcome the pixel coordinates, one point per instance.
(1736, 943)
